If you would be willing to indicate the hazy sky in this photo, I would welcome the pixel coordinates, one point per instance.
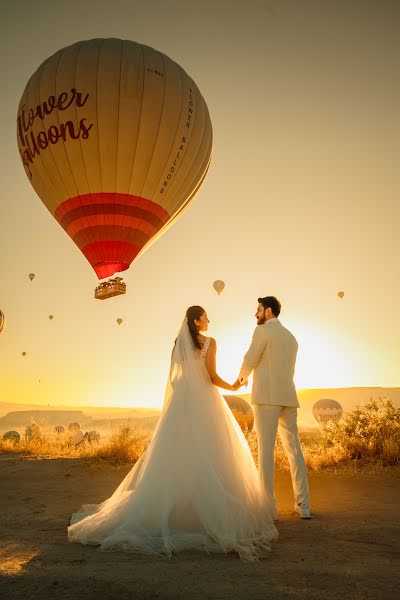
(301, 201)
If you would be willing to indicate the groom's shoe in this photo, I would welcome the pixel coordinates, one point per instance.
(303, 510)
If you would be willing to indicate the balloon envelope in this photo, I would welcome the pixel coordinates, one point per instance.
(218, 286)
(116, 139)
(31, 276)
(2, 321)
(23, 353)
(326, 410)
(241, 410)
(340, 294)
(51, 317)
(119, 321)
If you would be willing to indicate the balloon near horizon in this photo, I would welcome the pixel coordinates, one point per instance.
(241, 410)
(327, 410)
(115, 138)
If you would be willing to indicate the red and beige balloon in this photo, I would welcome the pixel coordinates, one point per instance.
(2, 321)
(116, 139)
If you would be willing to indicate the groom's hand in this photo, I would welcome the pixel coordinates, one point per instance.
(243, 381)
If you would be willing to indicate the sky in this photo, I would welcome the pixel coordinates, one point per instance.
(301, 201)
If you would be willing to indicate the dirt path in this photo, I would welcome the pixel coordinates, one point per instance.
(349, 550)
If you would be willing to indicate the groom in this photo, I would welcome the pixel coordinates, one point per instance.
(272, 355)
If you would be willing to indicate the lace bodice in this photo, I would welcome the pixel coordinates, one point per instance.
(204, 350)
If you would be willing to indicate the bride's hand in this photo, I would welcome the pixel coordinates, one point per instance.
(236, 385)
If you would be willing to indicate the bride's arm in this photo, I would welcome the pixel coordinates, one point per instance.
(211, 366)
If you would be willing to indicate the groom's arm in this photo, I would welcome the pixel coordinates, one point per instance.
(253, 354)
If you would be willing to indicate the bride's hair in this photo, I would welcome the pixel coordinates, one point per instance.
(192, 313)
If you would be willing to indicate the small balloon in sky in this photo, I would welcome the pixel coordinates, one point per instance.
(2, 321)
(218, 286)
(23, 353)
(119, 321)
(31, 276)
(340, 294)
(51, 317)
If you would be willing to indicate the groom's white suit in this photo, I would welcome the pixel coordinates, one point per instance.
(272, 356)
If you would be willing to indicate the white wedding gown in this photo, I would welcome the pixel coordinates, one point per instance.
(196, 487)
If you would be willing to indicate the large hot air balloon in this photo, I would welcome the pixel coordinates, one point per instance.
(119, 321)
(241, 410)
(51, 317)
(31, 276)
(218, 286)
(340, 294)
(326, 410)
(116, 139)
(2, 321)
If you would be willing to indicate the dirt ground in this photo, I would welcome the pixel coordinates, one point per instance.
(348, 550)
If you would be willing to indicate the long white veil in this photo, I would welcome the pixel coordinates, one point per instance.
(195, 487)
(187, 371)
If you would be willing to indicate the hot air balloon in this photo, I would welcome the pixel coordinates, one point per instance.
(218, 286)
(119, 321)
(23, 353)
(116, 139)
(74, 427)
(2, 321)
(12, 436)
(31, 276)
(51, 317)
(326, 410)
(340, 294)
(241, 410)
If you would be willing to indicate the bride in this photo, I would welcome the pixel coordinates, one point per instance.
(196, 487)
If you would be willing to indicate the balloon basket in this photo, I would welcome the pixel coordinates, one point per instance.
(110, 288)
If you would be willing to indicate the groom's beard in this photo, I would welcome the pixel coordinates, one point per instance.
(261, 320)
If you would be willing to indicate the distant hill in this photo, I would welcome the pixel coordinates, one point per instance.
(21, 418)
(18, 415)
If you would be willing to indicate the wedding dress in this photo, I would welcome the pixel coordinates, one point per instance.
(196, 487)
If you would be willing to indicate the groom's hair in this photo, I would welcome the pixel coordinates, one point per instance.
(272, 303)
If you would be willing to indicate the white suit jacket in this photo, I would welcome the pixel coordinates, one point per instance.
(272, 356)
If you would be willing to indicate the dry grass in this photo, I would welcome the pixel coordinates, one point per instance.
(370, 435)
(125, 445)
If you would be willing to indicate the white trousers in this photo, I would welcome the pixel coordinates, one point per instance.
(269, 419)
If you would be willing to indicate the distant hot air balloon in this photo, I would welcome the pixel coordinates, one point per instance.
(12, 436)
(2, 321)
(116, 139)
(241, 410)
(31, 276)
(218, 286)
(119, 321)
(23, 353)
(326, 410)
(340, 294)
(51, 317)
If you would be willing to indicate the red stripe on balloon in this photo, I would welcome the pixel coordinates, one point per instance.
(111, 209)
(110, 198)
(113, 221)
(110, 228)
(109, 234)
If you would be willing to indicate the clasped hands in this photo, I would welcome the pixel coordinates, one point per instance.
(238, 384)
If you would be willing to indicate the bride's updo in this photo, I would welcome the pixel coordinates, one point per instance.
(194, 313)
